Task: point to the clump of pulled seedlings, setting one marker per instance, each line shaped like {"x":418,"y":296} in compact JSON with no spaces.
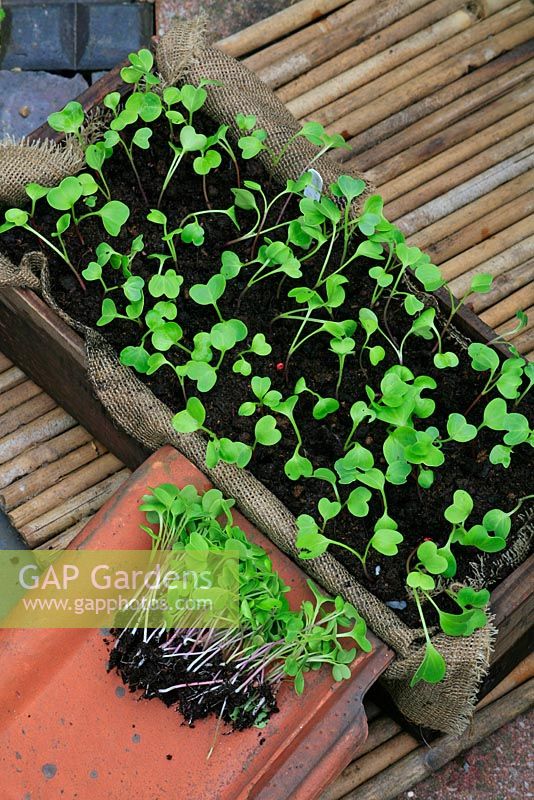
{"x":226,"y":648}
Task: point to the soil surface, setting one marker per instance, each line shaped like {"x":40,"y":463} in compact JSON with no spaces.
{"x":144,"y":666}
{"x":419,"y":513}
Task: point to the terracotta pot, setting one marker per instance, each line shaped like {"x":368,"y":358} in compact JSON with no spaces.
{"x":70,"y":729}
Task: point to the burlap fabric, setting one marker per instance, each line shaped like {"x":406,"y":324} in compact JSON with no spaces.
{"x":43,"y":162}
{"x":183,"y":56}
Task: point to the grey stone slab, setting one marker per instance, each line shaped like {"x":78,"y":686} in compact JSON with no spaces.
{"x":70,"y":35}
{"x":38,"y":35}
{"x":107,"y":32}
{"x":95,"y":76}
{"x":27,"y":98}
{"x":10,"y":539}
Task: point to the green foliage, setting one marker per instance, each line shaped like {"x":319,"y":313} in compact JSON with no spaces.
{"x":314,"y":247}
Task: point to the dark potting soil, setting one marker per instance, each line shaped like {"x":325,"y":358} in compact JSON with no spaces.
{"x":419,"y":513}
{"x":144,"y":667}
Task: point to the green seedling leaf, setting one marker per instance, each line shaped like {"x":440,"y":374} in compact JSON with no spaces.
{"x":208,"y":293}
{"x":244,"y":199}
{"x":420,"y":580}
{"x":412,"y":305}
{"x":428,"y":554}
{"x":141,"y":138}
{"x":166,"y":285}
{"x":203,"y":164}
{"x":166,"y":335}
{"x":445,"y":360}
{"x":498,"y":522}
{"x":193,"y":97}
{"x":136,"y":357}
{"x":430,"y":276}
{"x":460,"y":509}
{"x":358,"y":502}
{"x":501,"y":454}
{"x":495,"y":414}
{"x":468,"y":597}
{"x":325,"y":406}
{"x":298,"y":467}
{"x":113,"y":215}
{"x":193,"y":233}
{"x":432,"y":668}
{"x":109,"y":312}
{"x":231,"y":264}
{"x":250,"y":146}
{"x":481,"y":283}
{"x":191,"y":419}
{"x":66,"y":195}
{"x":348,"y":187}
{"x":310,"y":543}
{"x":478,"y":537}
{"x":328,"y":509}
{"x":69,"y":119}
{"x":385,"y":541}
{"x":425,"y":479}
{"x":483,"y":358}
{"x":203,"y":374}
{"x":463,"y":624}
{"x":266,"y":432}
{"x":260,"y":346}
{"x":191,"y":140}
{"x":459,"y":429}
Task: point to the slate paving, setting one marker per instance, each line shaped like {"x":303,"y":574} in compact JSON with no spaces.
{"x":27,"y":98}
{"x":73,"y":35}
{"x":499,"y":768}
{"x":224,"y":16}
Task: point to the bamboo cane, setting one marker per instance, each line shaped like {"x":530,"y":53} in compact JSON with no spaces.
{"x":525,"y":342}
{"x":503,"y":286}
{"x":460,"y":196}
{"x":18,"y":395}
{"x":72,"y":485}
{"x":478,"y":145}
{"x":46,"y":427}
{"x":11,"y":377}
{"x":446,"y":181}
{"x":72,"y":511}
{"x":504,"y":327}
{"x":455,"y":143}
{"x":349,"y":778}
{"x":425,"y":760}
{"x":280,"y":50}
{"x":382,"y":97}
{"x":499,"y":313}
{"x":369,"y":765}
{"x":343,"y":111}
{"x":39,"y":455}
{"x":515,"y":255}
{"x":5,"y":363}
{"x":62,"y":540}
{"x":303,"y":86}
{"x":366,"y":20}
{"x":383,"y":60}
{"x":24,"y":413}
{"x":48,"y":475}
{"x":435,"y":111}
{"x":520,"y":674}
{"x":380,"y":731}
{"x":478,"y":231}
{"x":278,"y":25}
{"x":499,"y":243}
{"x":478,"y":211}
